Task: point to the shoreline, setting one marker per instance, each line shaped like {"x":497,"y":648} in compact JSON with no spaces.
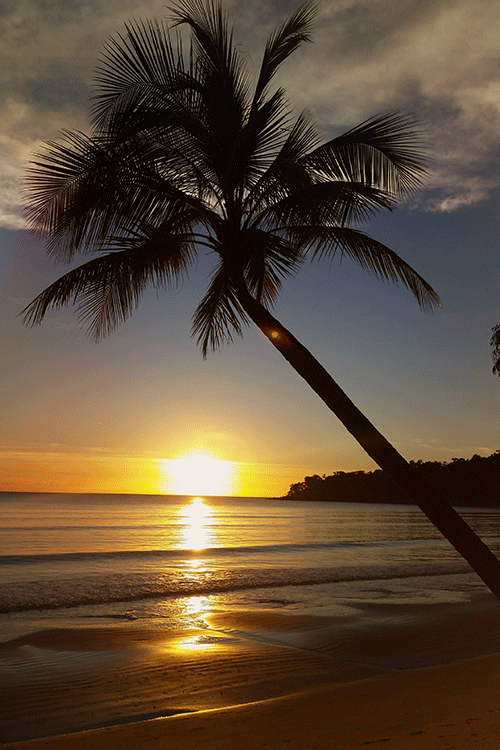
{"x":125,"y":684}
{"x":451,"y":706}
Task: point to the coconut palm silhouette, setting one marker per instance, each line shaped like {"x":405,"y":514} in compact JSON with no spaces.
{"x":189,"y":153}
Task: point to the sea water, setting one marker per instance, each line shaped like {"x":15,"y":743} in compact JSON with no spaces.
{"x":161,"y":560}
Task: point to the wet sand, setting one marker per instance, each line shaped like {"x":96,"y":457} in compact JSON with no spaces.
{"x":404,"y":677}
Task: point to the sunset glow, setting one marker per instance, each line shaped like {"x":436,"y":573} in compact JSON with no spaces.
{"x":198,"y":474}
{"x":54,"y":470}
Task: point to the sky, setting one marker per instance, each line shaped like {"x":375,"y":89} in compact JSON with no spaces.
{"x":142,"y":412}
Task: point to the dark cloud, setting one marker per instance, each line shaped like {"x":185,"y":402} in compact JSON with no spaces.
{"x":437,"y":58}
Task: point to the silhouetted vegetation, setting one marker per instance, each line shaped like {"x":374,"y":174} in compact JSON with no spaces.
{"x":465,"y":482}
{"x":495,"y":343}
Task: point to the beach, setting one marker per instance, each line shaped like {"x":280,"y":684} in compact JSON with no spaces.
{"x":399,"y":677}
{"x":168,"y":623}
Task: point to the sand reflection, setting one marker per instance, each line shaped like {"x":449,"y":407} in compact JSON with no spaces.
{"x":198,"y":643}
{"x":197,"y":606}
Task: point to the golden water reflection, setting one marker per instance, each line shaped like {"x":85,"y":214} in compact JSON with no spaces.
{"x":196,"y":527}
{"x":197,"y":522}
{"x":197,"y":606}
{"x":197,"y":643}
{"x":202,"y":636}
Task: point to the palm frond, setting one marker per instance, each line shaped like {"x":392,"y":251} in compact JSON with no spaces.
{"x":68,"y":190}
{"x":145,"y":87}
{"x":139,"y":69}
{"x":147,"y":92}
{"x":108,"y":288}
{"x":268,"y":258}
{"x":387,"y":151}
{"x":83,"y":190}
{"x":219,"y":315}
{"x":371,"y":255}
{"x":285,"y":173}
{"x":254,"y":147}
{"x":282,"y":43}
{"x":219,"y":65}
{"x":325,"y":204}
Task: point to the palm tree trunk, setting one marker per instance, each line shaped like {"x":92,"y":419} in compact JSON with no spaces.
{"x":436,"y":508}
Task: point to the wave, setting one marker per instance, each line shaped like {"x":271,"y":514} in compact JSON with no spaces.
{"x":127,"y":587}
{"x":34,"y":559}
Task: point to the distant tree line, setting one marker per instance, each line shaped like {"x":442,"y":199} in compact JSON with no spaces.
{"x":465,"y":482}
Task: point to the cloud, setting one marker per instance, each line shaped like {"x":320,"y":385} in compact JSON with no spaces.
{"x":436,"y":58}
{"x":48,"y":54}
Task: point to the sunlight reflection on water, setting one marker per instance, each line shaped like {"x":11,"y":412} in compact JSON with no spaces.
{"x":197,"y":531}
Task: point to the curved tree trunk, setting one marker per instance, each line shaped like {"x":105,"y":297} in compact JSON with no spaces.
{"x":439,"y":512}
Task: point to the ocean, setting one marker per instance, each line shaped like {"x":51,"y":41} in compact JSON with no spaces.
{"x":158,"y":560}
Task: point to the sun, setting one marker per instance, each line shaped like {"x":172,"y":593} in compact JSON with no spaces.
{"x":197,"y":473}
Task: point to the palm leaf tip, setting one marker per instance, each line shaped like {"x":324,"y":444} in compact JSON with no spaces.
{"x":424,"y":293}
{"x":291,"y":34}
{"x":399,"y":271}
{"x":374,"y":257}
{"x":33,"y":314}
{"x":107,"y":289}
{"x":294,"y":32}
{"x":389,"y":151}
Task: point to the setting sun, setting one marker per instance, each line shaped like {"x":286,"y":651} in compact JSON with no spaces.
{"x":198,"y":474}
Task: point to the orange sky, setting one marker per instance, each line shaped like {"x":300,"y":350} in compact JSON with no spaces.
{"x":26,"y":471}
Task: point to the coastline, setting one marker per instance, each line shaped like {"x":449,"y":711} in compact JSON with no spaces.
{"x":404,"y":674}
{"x":440,"y":708}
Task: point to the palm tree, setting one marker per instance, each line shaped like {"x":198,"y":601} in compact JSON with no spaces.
{"x":188,"y":152}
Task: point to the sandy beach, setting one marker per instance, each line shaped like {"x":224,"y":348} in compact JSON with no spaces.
{"x":399,"y":677}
